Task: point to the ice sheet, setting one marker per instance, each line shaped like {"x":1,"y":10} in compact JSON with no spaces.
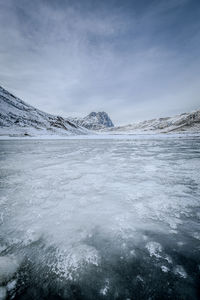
{"x":107,"y":211}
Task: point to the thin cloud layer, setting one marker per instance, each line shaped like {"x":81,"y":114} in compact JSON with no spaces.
{"x":133,"y":59}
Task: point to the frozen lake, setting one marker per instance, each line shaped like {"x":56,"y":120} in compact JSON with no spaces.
{"x":100,"y":219}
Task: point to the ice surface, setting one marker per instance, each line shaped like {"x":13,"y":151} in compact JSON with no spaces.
{"x":100,"y":214}
{"x":3,"y":293}
{"x":8,"y":266}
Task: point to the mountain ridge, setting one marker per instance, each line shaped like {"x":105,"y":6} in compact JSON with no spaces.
{"x":26,"y":119}
{"x":18,"y":118}
{"x":180,"y":123}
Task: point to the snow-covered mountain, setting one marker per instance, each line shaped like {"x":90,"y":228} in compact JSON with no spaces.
{"x":17,"y":118}
{"x":94,"y":121}
{"x":186,"y":122}
{"x":20,"y":118}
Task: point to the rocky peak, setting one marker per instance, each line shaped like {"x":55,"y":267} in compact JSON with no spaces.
{"x":95,"y":121}
{"x":102,"y":118}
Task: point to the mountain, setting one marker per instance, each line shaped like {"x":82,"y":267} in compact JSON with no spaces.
{"x":19,"y":118}
{"x":94,"y":121}
{"x":186,"y":122}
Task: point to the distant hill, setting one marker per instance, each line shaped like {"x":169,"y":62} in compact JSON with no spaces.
{"x":186,"y":122}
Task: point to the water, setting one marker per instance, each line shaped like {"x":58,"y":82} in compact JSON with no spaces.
{"x":100,"y":219}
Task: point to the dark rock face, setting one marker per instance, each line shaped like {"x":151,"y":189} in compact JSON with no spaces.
{"x":101,"y":118}
{"x":94,"y":121}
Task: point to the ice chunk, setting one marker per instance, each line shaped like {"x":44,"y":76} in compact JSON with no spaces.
{"x":132,"y":252}
{"x":11,"y":285}
{"x":154,"y":249}
{"x":105,"y":289}
{"x":196,"y":235}
{"x":164,"y":269}
{"x":179,"y":270}
{"x":168,"y":259}
{"x":139,"y":278}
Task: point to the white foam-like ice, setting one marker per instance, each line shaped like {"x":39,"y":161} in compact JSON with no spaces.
{"x":69,"y":262}
{"x":154,"y":249}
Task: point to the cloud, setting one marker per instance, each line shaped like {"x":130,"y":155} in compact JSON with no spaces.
{"x":133,"y":61}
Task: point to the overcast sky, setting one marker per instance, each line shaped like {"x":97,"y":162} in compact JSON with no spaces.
{"x":135,"y":59}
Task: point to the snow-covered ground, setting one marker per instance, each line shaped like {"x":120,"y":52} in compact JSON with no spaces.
{"x":100,"y":218}
{"x":26,"y":133}
{"x":44,"y":135}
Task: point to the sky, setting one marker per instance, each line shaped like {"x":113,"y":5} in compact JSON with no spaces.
{"x":134,"y":59}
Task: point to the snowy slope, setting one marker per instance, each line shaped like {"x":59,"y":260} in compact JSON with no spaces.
{"x":94,"y":121}
{"x":20,"y":118}
{"x":186,"y":122}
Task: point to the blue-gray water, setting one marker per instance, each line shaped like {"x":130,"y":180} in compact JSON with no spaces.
{"x":100,"y":219}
